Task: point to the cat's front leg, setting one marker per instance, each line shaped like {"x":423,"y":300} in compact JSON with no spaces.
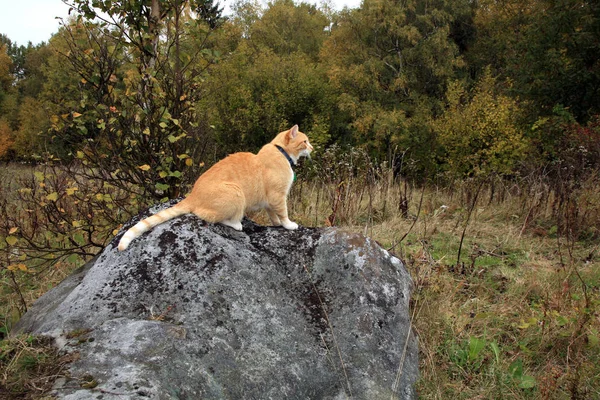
{"x":279,"y":208}
{"x":276,"y":221}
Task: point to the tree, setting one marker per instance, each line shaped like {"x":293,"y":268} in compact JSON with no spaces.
{"x":548,"y":48}
{"x":272,"y":80}
{"x":210,"y":12}
{"x":33,"y":125}
{"x":480,"y":132}
{"x":6,"y":139}
{"x":140,"y":70}
{"x":391,"y":62}
{"x":6,"y":78}
{"x":286,"y":28}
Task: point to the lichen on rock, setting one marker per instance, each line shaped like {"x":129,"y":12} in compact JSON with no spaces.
{"x":199,"y":311}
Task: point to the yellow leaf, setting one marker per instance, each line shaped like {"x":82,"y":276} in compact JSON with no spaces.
{"x":52,"y":196}
{"x":189,"y":162}
{"x":11,"y":240}
{"x":13,"y":230}
{"x":22,"y":267}
{"x":146,"y":131}
{"x":71,"y":191}
{"x":182,"y":98}
{"x":76,"y":114}
{"x":144,"y":167}
{"x":80,"y":154}
{"x":76,"y":224}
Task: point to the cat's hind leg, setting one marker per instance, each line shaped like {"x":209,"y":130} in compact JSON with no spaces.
{"x":225,"y":206}
{"x":273,"y":216}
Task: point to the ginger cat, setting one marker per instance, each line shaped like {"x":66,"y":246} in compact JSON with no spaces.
{"x":240,"y":182}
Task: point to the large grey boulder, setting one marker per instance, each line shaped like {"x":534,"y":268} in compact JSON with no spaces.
{"x":198,"y":311}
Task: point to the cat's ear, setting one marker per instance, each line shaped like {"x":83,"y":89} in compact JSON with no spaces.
{"x":293,"y":132}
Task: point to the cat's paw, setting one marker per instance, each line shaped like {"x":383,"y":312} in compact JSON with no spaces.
{"x":235,"y":225}
{"x":290,"y":225}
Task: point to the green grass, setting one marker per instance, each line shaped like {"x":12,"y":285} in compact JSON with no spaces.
{"x":28,"y":367}
{"x":512,"y":320}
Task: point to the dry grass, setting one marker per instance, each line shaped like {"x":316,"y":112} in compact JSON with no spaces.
{"x":516,"y":317}
{"x":29,"y":366}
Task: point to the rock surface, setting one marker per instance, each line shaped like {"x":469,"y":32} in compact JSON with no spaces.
{"x":199,"y":311}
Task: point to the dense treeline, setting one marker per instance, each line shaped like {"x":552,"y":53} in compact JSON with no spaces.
{"x":151,"y":91}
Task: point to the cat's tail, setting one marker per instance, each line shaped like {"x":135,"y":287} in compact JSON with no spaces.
{"x":150,"y":222}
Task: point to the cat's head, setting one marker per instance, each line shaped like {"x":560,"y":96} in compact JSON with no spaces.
{"x":294,"y":142}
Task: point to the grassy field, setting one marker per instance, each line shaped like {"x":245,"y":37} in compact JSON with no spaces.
{"x":516,"y":317}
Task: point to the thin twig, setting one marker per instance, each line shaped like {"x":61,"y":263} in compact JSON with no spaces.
{"x":403,"y":358}
{"x":413,"y":224}
{"x":462,"y":236}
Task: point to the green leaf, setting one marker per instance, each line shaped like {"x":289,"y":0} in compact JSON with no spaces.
{"x":475,"y":347}
{"x":173,"y":138}
{"x":79,"y":239}
{"x":527,"y":382}
{"x":516,"y":369}
{"x":11,"y":240}
{"x":561,"y":320}
{"x":496,"y":351}
{"x":52,"y":196}
{"x":161,"y":186}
